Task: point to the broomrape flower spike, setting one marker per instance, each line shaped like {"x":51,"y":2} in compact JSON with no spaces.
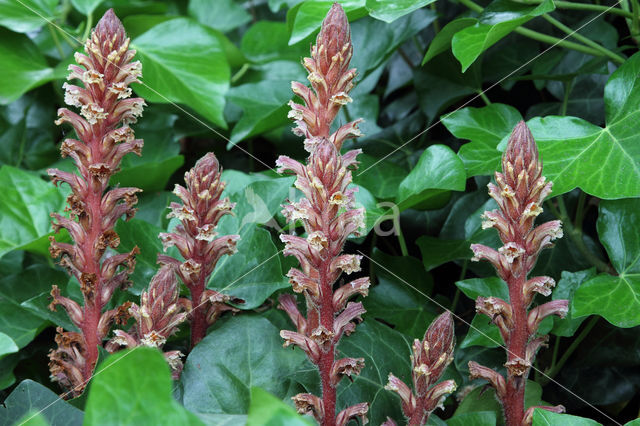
{"x":197,"y":241}
{"x":104,"y":137}
{"x":328,"y":216}
{"x":430,"y":358}
{"x":519,"y":192}
{"x":157,"y":318}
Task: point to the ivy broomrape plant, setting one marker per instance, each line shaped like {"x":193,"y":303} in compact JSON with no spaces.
{"x":104,"y":137}
{"x":519,"y":192}
{"x":328,"y":216}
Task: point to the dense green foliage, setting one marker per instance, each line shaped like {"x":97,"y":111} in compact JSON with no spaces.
{"x":216,"y":77}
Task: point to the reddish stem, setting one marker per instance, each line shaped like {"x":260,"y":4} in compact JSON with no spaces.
{"x":518,"y":337}
{"x":198,"y":314}
{"x":327,"y":357}
{"x":418,"y":417}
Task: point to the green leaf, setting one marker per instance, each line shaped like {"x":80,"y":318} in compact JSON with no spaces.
{"x":306,"y":18}
{"x":119,"y":394}
{"x":223,"y":15}
{"x":485,"y":128}
{"x":26,"y":202}
{"x":267,"y":41}
{"x":160,"y":155}
{"x":439,"y":170}
{"x":390,"y":10}
{"x":86,"y":7}
{"x":238,"y":354}
{"x":191,"y":69}
{"x":485,"y":287}
{"x":495,"y":22}
{"x":478,"y":418}
{"x":384,"y":182}
{"x":482,"y":399}
{"x":438,"y":251}
{"x":26,"y":15}
{"x":547,"y":418}
{"x":253,"y":273}
{"x":266,"y":409}
{"x":395,"y":302}
{"x":264,"y":106}
{"x":440,"y":84}
{"x":616,"y":298}
{"x":23,"y":65}
{"x":565,"y":289}
{"x":7,"y":345}
{"x":31,"y":397}
{"x":384,"y":351}
{"x":442,"y":41}
{"x":604,"y":162}
{"x":137,"y":232}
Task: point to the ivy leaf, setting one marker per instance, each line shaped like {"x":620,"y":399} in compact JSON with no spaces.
{"x":137,"y":232}
{"x":266,"y":409}
{"x":438,"y":171}
{"x":395,"y":302}
{"x":115,"y":398}
{"x":26,"y":15}
{"x":442,"y":41}
{"x":440,"y":84}
{"x":616,"y":298}
{"x":31,"y":397}
{"x":438,"y":251}
{"x":565,"y":289}
{"x":306,"y":18}
{"x":478,"y":418}
{"x":253,"y":273}
{"x":386,"y":179}
{"x":191,"y":69}
{"x":384,"y":351}
{"x":25,"y":202}
{"x":264,"y":106}
{"x":485,"y":128}
{"x":240,"y":353}
{"x":160,"y":155}
{"x":543,"y":418}
{"x":23,"y":66}
{"x":604,"y":162}
{"x":495,"y":22}
{"x":267,"y":41}
{"x":7,"y":345}
{"x":390,"y":10}
{"x":223,"y":15}
{"x":86,"y":7}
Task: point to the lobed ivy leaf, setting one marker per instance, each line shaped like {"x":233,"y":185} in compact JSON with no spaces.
{"x":267,"y":41}
{"x":26,"y":202}
{"x":547,"y":418}
{"x":390,"y":10}
{"x":496,"y":21}
{"x":119,"y":394}
{"x":191,"y":69}
{"x":476,"y":418}
{"x":485,"y":128}
{"x":26,"y":15}
{"x":266,"y":409}
{"x":23,"y":65}
{"x":616,"y":298}
{"x":238,"y":354}
{"x":222,"y":15}
{"x":604,"y":162}
{"x":29,"y":398}
{"x":137,"y":232}
{"x":438,"y":251}
{"x":438,"y":171}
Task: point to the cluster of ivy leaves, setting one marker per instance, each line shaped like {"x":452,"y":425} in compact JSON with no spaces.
{"x":440,"y":86}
